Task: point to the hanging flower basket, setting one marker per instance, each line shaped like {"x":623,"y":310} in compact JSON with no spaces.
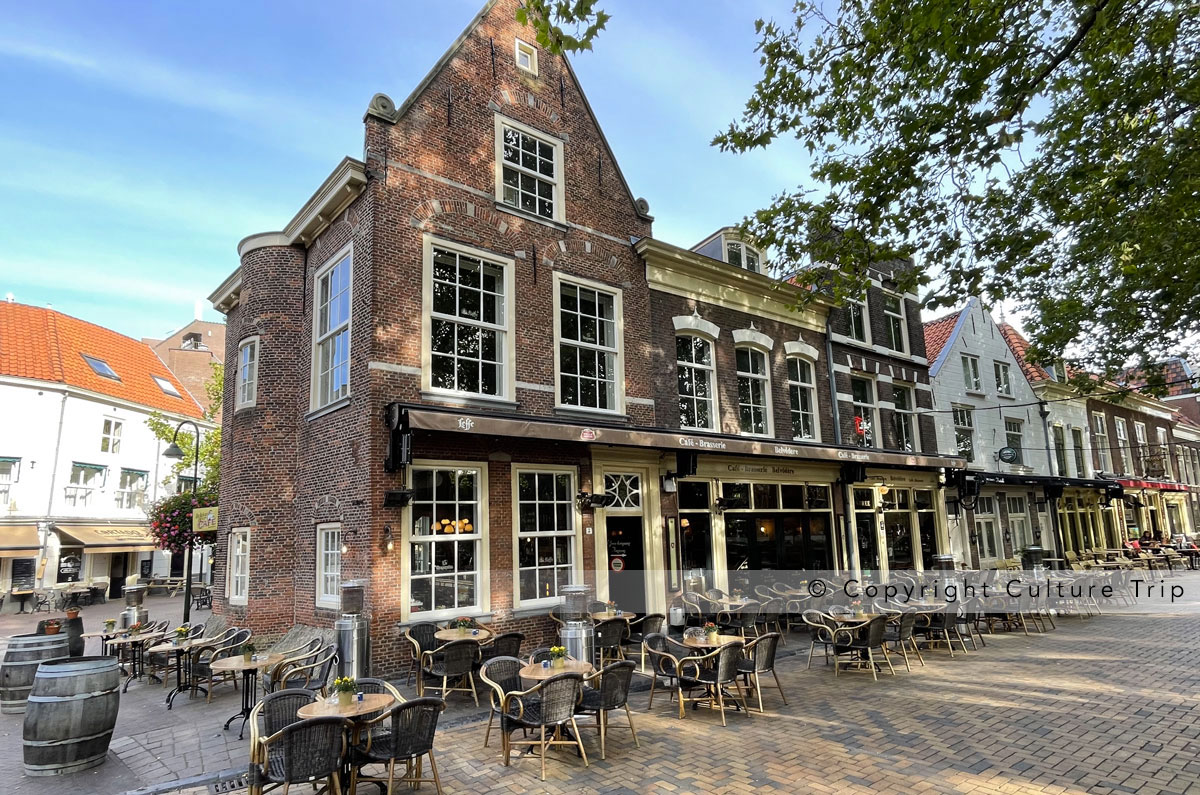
{"x":171,"y":521}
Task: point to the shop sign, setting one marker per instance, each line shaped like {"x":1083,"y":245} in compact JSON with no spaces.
{"x":204,"y":520}
{"x":616,"y":564}
{"x":760,"y":469}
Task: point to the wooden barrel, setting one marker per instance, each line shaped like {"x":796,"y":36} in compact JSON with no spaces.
{"x":72,"y":628}
{"x":21,"y":659}
{"x":71,"y":715}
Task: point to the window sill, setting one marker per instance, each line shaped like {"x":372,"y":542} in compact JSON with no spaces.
{"x":576,"y":412}
{"x":469,"y":401}
{"x":686,"y":429}
{"x":976,"y":393}
{"x":533,"y":611}
{"x":537,"y":219}
{"x":245,"y":407}
{"x":1006,"y":397}
{"x":436,"y":617}
{"x":332,"y":407}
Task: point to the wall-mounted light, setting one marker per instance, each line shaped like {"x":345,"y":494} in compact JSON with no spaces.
{"x":585,"y":500}
{"x":669,"y":483}
{"x":397,"y":498}
{"x":720,"y":504}
{"x":389,"y":543}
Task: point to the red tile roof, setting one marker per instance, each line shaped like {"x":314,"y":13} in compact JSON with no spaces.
{"x":1176,"y":372}
{"x":937,"y":333}
{"x":1019,"y":345}
{"x":46,"y":345}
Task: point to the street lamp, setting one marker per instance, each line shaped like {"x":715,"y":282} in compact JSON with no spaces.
{"x":175,"y":452}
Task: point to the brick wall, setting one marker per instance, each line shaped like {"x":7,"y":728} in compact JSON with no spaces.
{"x":1124,"y":457}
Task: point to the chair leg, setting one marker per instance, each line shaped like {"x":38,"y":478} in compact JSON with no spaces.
{"x":871,"y":660}
{"x":917,"y":648}
{"x":653,"y":683}
{"x":779,"y":686}
{"x":602,"y":725}
{"x":437,"y":780}
{"x":681,"y":713}
{"x":542,"y":751}
{"x":904,"y":654}
{"x":391,"y":776}
{"x":758,"y":692}
{"x":887,"y":659}
{"x":487,"y":733}
{"x":474,"y":692}
{"x":629,"y":715}
{"x":811,"y":648}
{"x":579,"y":741}
{"x":721,"y":703}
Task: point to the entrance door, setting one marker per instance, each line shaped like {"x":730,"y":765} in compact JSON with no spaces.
{"x":116,"y":575}
{"x":626,"y":562}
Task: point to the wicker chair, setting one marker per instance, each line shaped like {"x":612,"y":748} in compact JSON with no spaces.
{"x":760,"y":661}
{"x":899,"y":632}
{"x":312,"y":672}
{"x":868,"y":636}
{"x":503,"y":676}
{"x":304,"y":752}
{"x":825,"y":631}
{"x":305,"y":654}
{"x":740,"y":619}
{"x":202,"y":657}
{"x":608,"y":638}
{"x":714,"y":594}
{"x":370,"y":684}
{"x":548,"y":705}
{"x":556,"y":616}
{"x":639,"y":628}
{"x":597,"y":607}
{"x":712,"y":672}
{"x":664,"y":656}
{"x":612,"y":692}
{"x":506,"y":645}
{"x":421,"y":636}
{"x":538,"y":655}
{"x":764,"y":593}
{"x":455,"y":660}
{"x":41,"y":600}
{"x":943,"y":628}
{"x":693,"y":612}
{"x":276,"y":711}
{"x":406,"y":735}
{"x":770,"y":618}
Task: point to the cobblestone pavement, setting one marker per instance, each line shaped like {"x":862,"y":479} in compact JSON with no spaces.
{"x":1104,"y":705}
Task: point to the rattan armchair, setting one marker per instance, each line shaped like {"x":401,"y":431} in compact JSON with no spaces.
{"x":759,"y":660}
{"x":506,"y":645}
{"x":860,"y":651}
{"x":403,"y":733}
{"x":201,"y":658}
{"x":548,"y":705}
{"x":538,"y":655}
{"x":713,"y":673}
{"x":422,"y":637}
{"x":825,"y":631}
{"x":502,"y":675}
{"x":639,"y":628}
{"x":770,"y":618}
{"x":899,"y":632}
{"x":303,"y":752}
{"x":304,"y":654}
{"x":943,"y":628}
{"x":608,"y":689}
{"x":664,"y":655}
{"x":276,"y":710}
{"x":311,"y":672}
{"x":609,"y":635}
{"x":455,"y":660}
{"x":741,"y":619}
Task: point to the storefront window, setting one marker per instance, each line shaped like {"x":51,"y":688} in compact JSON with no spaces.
{"x":924,"y":504}
{"x":545,"y":533}
{"x":445,"y":540}
{"x":770,"y":526}
{"x":898,"y":528}
{"x":864,"y":525}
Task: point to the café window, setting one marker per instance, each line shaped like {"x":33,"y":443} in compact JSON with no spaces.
{"x":986,"y":530}
{"x":695,"y":530}
{"x":468,"y":323}
{"x":530,"y":170}
{"x":862,"y":396}
{"x":753,"y":385}
{"x":775,"y":526}
{"x":588,"y":348}
{"x":904,"y":422}
{"x":237,"y":584}
{"x":444,"y":551}
{"x":865,"y":518}
{"x":329,"y":564}
{"x":803,"y":396}
{"x":695,"y":372}
{"x":546,"y":534}
{"x":331,"y":335}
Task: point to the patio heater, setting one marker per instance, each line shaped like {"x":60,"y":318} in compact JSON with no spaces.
{"x":353,"y":639}
{"x":577,"y":634}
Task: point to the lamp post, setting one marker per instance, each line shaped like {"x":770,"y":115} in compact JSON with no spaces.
{"x":174,"y":452}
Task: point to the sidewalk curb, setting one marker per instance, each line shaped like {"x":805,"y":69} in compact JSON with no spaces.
{"x":202,"y":780}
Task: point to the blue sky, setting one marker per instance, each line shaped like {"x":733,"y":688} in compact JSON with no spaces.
{"x":140,"y":142}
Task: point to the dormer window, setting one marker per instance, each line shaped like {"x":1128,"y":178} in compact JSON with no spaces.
{"x":741,"y":255}
{"x":526,"y":57}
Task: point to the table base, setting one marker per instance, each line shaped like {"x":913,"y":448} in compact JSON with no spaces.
{"x":249,"y":699}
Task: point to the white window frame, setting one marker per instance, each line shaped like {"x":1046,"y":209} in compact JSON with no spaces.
{"x":10,"y":473}
{"x":531,"y":51}
{"x":1100,"y":441}
{"x":1079,"y":451}
{"x":987,"y":528}
{"x":317,"y":399}
{"x":864,"y":313}
{"x":617,"y":351}
{"x":78,"y":494}
{"x":1015,"y":428}
{"x":559,"y":182}
{"x":329,"y":549}
{"x":507,"y":380}
{"x":972,"y":382}
{"x":764,"y":379}
{"x":246,"y":392}
{"x":963,"y":418}
{"x":909,"y":414}
{"x":855,"y":405}
{"x":710,"y":370}
{"x":166,"y":386}
{"x":744,"y":249}
{"x":237,"y":567}
{"x":1018,"y":520}
{"x":576,"y":532}
{"x":127,"y":498}
{"x":794,"y":388}
{"x":1123,"y":444}
{"x":110,"y":435}
{"x":482,"y":549}
{"x":1003,"y":374}
{"x":890,"y":317}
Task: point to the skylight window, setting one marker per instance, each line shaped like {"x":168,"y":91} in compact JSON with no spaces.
{"x":100,"y":367}
{"x":166,"y":386}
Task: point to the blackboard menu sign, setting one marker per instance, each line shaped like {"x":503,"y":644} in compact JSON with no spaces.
{"x":23,"y":577}
{"x":70,"y":564}
{"x":146,"y":568}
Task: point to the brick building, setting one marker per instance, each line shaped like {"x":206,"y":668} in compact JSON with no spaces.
{"x":455,"y":381}
{"x":191,"y":352}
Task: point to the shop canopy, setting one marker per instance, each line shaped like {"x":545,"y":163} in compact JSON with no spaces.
{"x":19,"y":541}
{"x":1111,"y":487}
{"x":1157,"y":485}
{"x":98,"y":539}
{"x":572,"y":431}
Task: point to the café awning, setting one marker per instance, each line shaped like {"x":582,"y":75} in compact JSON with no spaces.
{"x":98,"y":539}
{"x":19,"y":541}
{"x":663,"y":438}
{"x":1157,"y":485}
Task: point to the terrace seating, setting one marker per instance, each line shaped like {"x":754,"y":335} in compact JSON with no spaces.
{"x":611,"y":692}
{"x":202,"y":657}
{"x":311,"y":672}
{"x":404,"y":733}
{"x":867,"y":637}
{"x":421,"y":636}
{"x":454,"y":661}
{"x":300,"y":753}
{"x":548,"y":705}
{"x":760,"y":661}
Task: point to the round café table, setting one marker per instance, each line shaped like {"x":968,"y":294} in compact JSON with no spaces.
{"x":479,"y":635}
{"x":249,"y":669}
{"x":137,"y":641}
{"x":701,"y":641}
{"x":624,"y":614}
{"x":536,"y":672}
{"x":183,"y":673}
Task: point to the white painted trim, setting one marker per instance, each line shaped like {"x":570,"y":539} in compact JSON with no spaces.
{"x":802,"y":349}
{"x":745,"y":336}
{"x":238,"y":403}
{"x":230,"y":573}
{"x":768,"y":407}
{"x":533,"y":57}
{"x":577,"y":519}
{"x":697,"y":324}
{"x":509,"y":377}
{"x":558,"y":279}
{"x":388,"y":367}
{"x":327,"y":266}
{"x":556,"y":142}
{"x":318,"y":564}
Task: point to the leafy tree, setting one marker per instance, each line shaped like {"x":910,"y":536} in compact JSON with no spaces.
{"x":547,"y":18}
{"x":1039,"y":152}
{"x":210,"y":443}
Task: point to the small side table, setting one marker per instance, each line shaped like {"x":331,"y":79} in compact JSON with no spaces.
{"x":249,"y":669}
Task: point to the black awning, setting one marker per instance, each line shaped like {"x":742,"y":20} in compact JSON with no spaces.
{"x":1050,"y":484}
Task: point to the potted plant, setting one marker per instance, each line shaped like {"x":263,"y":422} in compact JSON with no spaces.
{"x":710,"y":633}
{"x":53,"y":626}
{"x":558,"y":656}
{"x":134,"y":628}
{"x":612,"y":607}
{"x":248,"y":650}
{"x":463,"y":625}
{"x":110,"y":624}
{"x":345,"y":687}
{"x":72,"y":612}
{"x":181,"y":634}
{"x":856,"y":605}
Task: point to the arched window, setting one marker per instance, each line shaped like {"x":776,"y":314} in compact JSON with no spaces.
{"x":694,"y":362}
{"x":753,"y":384}
{"x":803,"y":395}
